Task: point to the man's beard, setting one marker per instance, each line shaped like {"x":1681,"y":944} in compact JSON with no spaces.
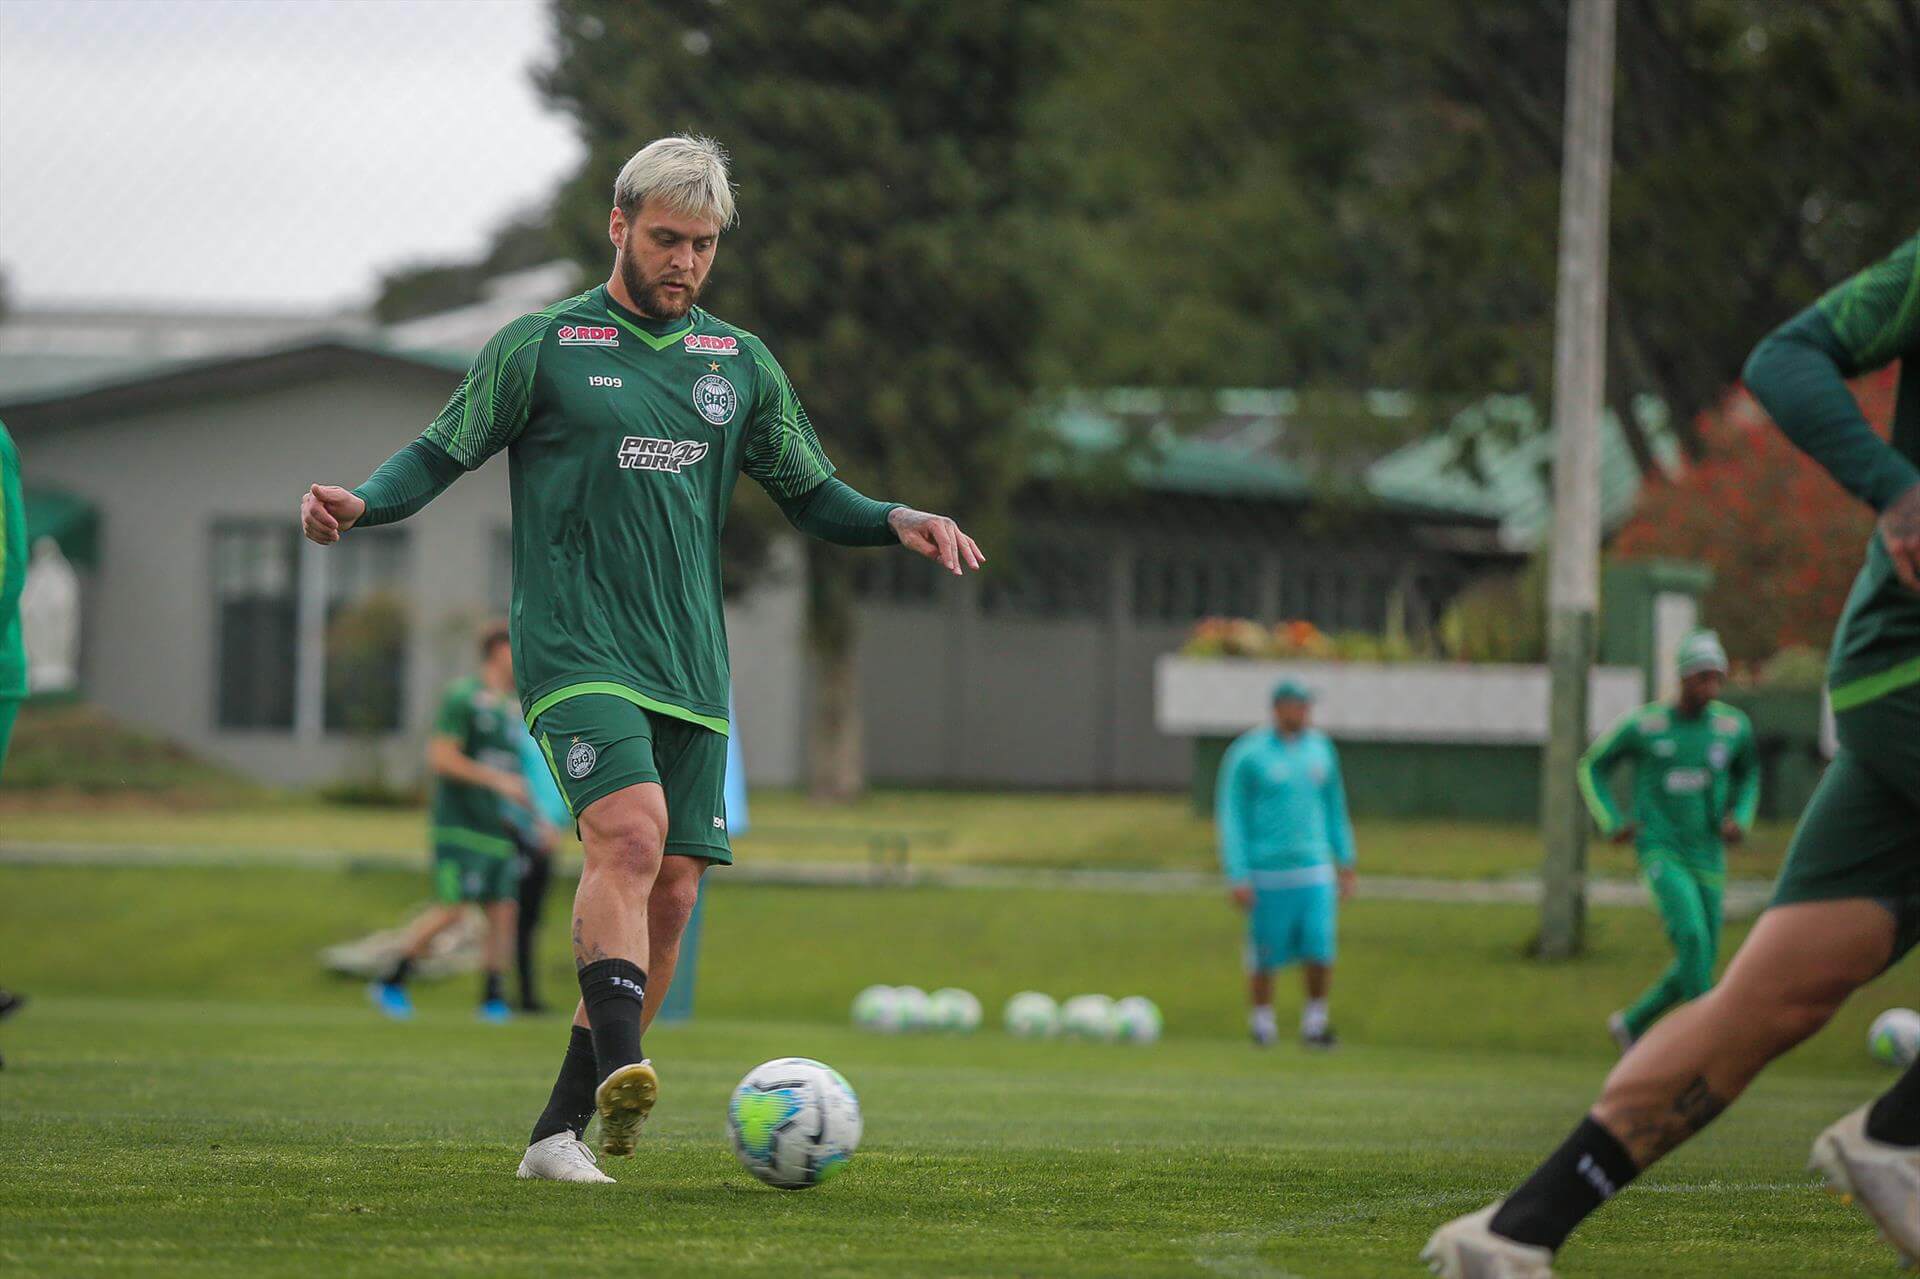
{"x":652,"y":297}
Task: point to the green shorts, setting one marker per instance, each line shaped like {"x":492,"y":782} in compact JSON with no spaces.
{"x":465,"y":872}
{"x":597,"y":743}
{"x":1860,"y":835}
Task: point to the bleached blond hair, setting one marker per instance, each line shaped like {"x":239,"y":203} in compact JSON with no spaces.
{"x":685,"y":173}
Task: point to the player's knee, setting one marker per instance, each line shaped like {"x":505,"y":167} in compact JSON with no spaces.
{"x":627,"y":843}
{"x":674,"y":893}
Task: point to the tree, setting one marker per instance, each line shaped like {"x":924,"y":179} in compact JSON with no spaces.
{"x":880,"y":154}
{"x":1784,"y":541}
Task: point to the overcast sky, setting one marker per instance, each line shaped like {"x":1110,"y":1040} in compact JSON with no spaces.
{"x":262,"y":153}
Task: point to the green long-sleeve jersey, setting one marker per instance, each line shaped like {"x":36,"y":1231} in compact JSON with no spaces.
{"x":1690,"y":773}
{"x":13,"y":570}
{"x":1798,"y":373}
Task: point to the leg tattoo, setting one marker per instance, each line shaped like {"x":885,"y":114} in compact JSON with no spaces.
{"x":1651,"y":1136}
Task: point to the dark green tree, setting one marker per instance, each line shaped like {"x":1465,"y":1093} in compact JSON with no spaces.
{"x":883,"y":242}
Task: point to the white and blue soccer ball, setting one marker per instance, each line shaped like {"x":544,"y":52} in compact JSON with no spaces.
{"x":913,"y":1007}
{"x":877,"y":1008}
{"x":793,"y":1122}
{"x":1136,"y":1020}
{"x":955,"y":1010}
{"x":1895,"y":1037}
{"x":1088,"y":1017}
{"x":1031,"y":1015}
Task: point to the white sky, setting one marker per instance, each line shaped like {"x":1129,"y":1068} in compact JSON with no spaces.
{"x":262,"y":153}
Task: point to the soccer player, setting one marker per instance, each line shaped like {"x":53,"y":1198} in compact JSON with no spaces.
{"x":536,"y":835}
{"x":628,"y":413}
{"x":1847,"y":904}
{"x":476,"y":777}
{"x":1696,"y":783}
{"x":1285,"y":840}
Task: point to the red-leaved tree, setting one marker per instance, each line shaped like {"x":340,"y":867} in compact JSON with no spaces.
{"x":1784,"y":541}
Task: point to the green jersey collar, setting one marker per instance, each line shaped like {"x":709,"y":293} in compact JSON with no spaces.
{"x":658,"y":334}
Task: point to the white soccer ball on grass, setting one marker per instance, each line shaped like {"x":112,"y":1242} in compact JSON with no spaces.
{"x":1031,"y":1015}
{"x":955,"y":1010}
{"x":793,"y":1122}
{"x":1136,"y":1020}
{"x":1088,"y":1017}
{"x":1895,"y":1037}
{"x":915,"y":1009}
{"x":877,"y":1008}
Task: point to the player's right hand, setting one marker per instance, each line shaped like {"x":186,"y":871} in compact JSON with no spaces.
{"x":1243,"y":896}
{"x":1900,"y":531}
{"x":1626,"y":833}
{"x":327,"y":511}
{"x":514,"y":790}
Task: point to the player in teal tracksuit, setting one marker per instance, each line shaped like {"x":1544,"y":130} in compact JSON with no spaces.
{"x":1696,"y":786}
{"x":1285,"y":843}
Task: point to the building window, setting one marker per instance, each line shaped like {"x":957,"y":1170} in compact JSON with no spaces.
{"x":1049,"y":580}
{"x":1336,"y":594}
{"x":366,"y":637}
{"x":256,"y":588}
{"x":1185,"y":586}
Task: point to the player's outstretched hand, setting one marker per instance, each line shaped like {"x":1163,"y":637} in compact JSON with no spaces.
{"x":1349,"y":883}
{"x":936,"y":537}
{"x":1732,"y":831}
{"x":327,"y":511}
{"x":1900,"y":530}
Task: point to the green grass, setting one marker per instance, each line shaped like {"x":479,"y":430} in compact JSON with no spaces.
{"x":190,"y":1094}
{"x":944,"y":828}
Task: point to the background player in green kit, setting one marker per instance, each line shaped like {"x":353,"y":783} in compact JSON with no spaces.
{"x":1696,"y":784}
{"x":475,"y":765}
{"x":13,"y":577}
{"x":1848,"y":901}
{"x":628,"y":413}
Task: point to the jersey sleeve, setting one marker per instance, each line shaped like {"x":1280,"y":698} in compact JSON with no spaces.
{"x":782,"y":453}
{"x":1595,"y":771}
{"x":1743,"y":774}
{"x":1339,"y":824}
{"x":489,"y":408}
{"x":455,"y":718}
{"x":1799,"y":372}
{"x":1230,"y":811}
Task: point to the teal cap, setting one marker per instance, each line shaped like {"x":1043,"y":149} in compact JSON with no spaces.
{"x":1291,"y":690}
{"x":1702,"y":651}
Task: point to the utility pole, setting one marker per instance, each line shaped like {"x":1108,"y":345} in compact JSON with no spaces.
{"x":1579,"y":376}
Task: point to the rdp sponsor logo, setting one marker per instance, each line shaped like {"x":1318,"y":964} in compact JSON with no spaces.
{"x":709,"y":344}
{"x":588,"y":335}
{"x":638,"y":453}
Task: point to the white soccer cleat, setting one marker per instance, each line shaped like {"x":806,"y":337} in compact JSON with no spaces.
{"x":561,"y":1157}
{"x":1466,"y":1248}
{"x":625,"y":1099}
{"x":1884,"y":1180}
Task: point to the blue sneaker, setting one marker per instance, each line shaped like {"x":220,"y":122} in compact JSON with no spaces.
{"x":391,"y":999}
{"x":496,"y":1011}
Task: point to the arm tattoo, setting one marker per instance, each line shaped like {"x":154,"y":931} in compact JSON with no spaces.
{"x":1648,"y":1137}
{"x":584,"y":952}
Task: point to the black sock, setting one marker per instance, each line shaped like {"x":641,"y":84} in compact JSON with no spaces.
{"x":1895,"y":1117}
{"x":1590,"y":1168}
{"x":614,"y":991}
{"x":570,"y":1107}
{"x":401,"y":970}
{"x":494,"y":990}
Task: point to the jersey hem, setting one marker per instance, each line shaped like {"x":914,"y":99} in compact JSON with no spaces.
{"x":625,"y":691}
{"x":1867,"y":688}
{"x":473,"y":840}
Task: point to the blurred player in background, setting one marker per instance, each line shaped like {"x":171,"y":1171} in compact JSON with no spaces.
{"x":1696,"y":784}
{"x":13,"y":648}
{"x":536,"y":837}
{"x":628,"y":414}
{"x":1847,"y":904}
{"x":476,"y":778}
{"x":1285,"y":842}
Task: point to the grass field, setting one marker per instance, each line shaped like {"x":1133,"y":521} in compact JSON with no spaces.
{"x":189,"y":1094}
{"x":943,"y":828}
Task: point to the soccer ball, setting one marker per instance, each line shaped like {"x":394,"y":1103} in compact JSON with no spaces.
{"x":1088,"y":1017}
{"x":913,"y":1008}
{"x":1895,"y":1037}
{"x":1136,"y":1020}
{"x":1031,"y":1015}
{"x":877,"y":1008}
{"x":794,"y":1122}
{"x":955,"y":1009}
